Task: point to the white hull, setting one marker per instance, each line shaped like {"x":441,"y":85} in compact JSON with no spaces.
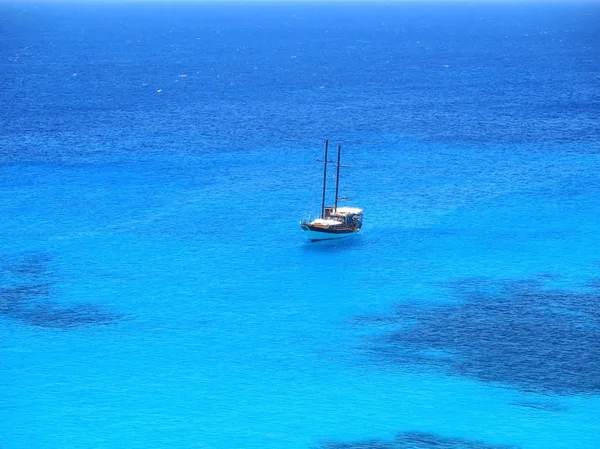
{"x":317,"y":236}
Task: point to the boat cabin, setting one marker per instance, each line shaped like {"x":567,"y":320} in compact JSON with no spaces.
{"x":349,"y":216}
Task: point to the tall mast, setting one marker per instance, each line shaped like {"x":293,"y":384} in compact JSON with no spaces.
{"x":337,"y":179}
{"x":324,"y":179}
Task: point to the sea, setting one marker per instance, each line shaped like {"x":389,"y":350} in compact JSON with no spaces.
{"x":156,"y":290}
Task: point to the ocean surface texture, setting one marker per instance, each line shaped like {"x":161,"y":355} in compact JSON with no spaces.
{"x":156,"y":290}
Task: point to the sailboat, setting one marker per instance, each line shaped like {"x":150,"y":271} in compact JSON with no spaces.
{"x":335,"y":222}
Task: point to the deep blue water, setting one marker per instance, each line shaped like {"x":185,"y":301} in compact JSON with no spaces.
{"x":156,"y":289}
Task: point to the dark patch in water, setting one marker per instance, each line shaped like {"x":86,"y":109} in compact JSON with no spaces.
{"x":13,"y":299}
{"x":33,"y":265}
{"x":595,"y":284}
{"x":546,"y":406}
{"x":373,"y":320}
{"x":413,"y":440}
{"x":512,"y":333}
{"x":370,"y":444}
{"x":54,"y":316}
{"x":548,"y":276}
{"x":31,"y":298}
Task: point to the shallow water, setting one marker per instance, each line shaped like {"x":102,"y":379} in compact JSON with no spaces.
{"x":155,"y":287}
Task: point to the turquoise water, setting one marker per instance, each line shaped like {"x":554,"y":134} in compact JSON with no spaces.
{"x":156,"y":289}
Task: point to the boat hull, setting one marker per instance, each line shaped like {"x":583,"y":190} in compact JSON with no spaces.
{"x":317,"y":235}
